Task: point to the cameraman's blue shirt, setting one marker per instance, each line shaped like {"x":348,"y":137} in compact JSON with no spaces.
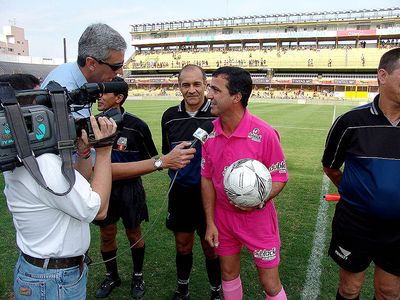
{"x":71,"y":77}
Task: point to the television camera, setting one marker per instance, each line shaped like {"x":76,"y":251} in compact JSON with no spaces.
{"x":48,"y":123}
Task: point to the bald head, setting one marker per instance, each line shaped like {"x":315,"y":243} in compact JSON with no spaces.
{"x":191,"y":68}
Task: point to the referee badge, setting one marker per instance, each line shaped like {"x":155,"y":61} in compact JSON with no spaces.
{"x":121,"y":143}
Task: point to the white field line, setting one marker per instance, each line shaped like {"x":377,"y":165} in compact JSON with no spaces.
{"x":299,"y":128}
{"x":311,"y":287}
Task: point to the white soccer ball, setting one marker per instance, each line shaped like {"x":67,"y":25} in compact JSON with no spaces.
{"x":247,"y":182}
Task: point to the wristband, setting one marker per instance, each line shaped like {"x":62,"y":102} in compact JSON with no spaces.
{"x":84,"y":154}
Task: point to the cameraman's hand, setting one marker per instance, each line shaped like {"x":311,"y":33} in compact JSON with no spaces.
{"x":82,"y":143}
{"x":103,"y":127}
{"x":179,"y":157}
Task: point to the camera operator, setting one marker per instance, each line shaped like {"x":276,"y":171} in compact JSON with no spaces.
{"x":101,"y":52}
{"x":52,"y":232}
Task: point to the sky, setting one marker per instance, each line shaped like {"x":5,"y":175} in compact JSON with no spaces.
{"x":48,"y":22}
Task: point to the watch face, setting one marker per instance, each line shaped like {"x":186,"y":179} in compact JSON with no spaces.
{"x":158,"y":164}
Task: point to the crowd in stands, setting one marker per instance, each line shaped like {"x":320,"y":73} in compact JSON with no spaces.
{"x":389,"y":43}
{"x":176,"y":51}
{"x":293,"y":92}
{"x":343,"y":56}
{"x":259,"y":92}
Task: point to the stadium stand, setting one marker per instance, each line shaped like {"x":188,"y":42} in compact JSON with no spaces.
{"x":319,"y":55}
{"x":313,"y":55}
{"x":40,"y":71}
{"x":284,"y":58}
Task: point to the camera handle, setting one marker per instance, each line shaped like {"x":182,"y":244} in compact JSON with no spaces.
{"x":21,"y":139}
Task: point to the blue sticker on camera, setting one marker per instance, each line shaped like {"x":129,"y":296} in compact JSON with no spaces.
{"x":41,"y":131}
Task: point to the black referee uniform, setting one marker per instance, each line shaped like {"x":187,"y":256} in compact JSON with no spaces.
{"x":185,"y":208}
{"x":366,"y":224}
{"x":133,"y":143}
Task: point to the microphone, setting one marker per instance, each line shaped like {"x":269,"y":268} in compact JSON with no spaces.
{"x":201,"y":133}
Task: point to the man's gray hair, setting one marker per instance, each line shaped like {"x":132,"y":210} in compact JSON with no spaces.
{"x":97,"y":40}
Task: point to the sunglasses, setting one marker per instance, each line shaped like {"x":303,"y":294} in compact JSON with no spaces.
{"x":114,"y":67}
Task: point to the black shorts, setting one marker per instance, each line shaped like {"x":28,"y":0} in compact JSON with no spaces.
{"x":127,"y":201}
{"x":185,"y":210}
{"x":358,"y":239}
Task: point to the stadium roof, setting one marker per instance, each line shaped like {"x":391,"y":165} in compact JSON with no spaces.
{"x":324,"y":16}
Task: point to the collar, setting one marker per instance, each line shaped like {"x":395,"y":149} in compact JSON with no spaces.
{"x":243,"y":128}
{"x":375,"y":109}
{"x":204,"y":107}
{"x":80,"y":79}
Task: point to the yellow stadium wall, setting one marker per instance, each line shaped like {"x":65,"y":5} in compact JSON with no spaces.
{"x":355,"y":95}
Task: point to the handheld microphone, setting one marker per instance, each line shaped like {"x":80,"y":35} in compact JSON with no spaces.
{"x":201,"y":133}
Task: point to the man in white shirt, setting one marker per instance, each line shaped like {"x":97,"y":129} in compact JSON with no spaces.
{"x":53,"y":231}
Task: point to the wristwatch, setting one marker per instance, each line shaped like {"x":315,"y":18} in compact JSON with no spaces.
{"x":158,"y":164}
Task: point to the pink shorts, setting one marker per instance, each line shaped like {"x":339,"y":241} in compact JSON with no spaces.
{"x":256,"y":230}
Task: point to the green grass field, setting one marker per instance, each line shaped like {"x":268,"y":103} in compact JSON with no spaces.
{"x":303,"y":129}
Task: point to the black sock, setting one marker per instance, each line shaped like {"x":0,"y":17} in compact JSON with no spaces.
{"x":137,"y":259}
{"x":214,"y":273}
{"x":184,"y":264}
{"x":340,"y":297}
{"x":111,"y":265}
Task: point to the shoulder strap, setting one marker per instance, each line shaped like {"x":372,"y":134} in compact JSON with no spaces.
{"x":19,"y":132}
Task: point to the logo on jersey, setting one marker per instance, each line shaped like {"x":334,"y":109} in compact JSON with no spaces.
{"x":254,"y":135}
{"x":278,"y":167}
{"x":121,"y":143}
{"x":212,"y":134}
{"x":265,"y":254}
{"x":202,"y":163}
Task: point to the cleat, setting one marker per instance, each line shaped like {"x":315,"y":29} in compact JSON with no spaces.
{"x":137,"y":287}
{"x":215,"y":295}
{"x":179,"y":296}
{"x":107,"y":286}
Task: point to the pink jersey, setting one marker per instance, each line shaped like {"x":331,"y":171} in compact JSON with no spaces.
{"x":253,"y":138}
